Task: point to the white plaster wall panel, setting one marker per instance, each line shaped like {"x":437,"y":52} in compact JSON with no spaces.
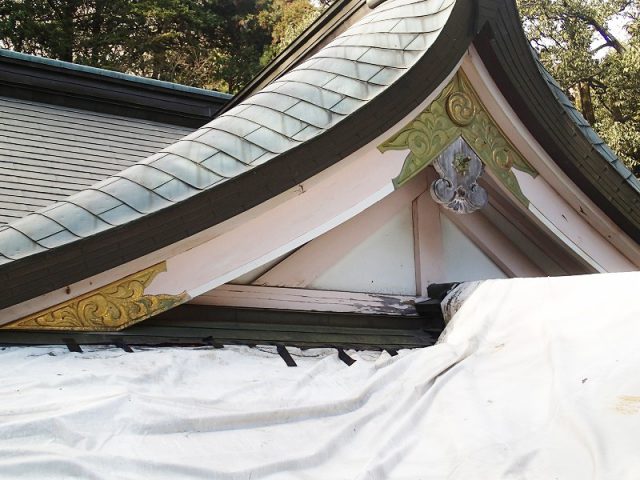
{"x":310,"y":261}
{"x":384,"y":263}
{"x":463,"y":260}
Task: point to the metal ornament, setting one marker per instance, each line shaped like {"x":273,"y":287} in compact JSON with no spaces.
{"x":110,"y":308}
{"x":458,"y":112}
{"x":374,"y":3}
{"x":457,"y":189}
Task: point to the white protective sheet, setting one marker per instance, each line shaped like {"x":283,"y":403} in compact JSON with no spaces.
{"x":534,"y":379}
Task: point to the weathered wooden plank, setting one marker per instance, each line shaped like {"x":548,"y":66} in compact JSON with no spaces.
{"x":188,"y":314}
{"x":252,"y":296}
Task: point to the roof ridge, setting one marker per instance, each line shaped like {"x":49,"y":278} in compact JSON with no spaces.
{"x":127,"y":77}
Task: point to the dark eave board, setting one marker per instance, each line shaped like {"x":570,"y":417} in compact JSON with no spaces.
{"x":66,"y":84}
{"x":192,"y":325}
{"x":554,"y":121}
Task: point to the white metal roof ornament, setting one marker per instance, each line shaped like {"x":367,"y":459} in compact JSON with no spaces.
{"x":457,"y":189}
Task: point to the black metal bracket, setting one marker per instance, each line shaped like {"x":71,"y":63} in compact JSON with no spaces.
{"x":120,"y":342}
{"x":211,"y":342}
{"x":72,"y":345}
{"x":342,"y":355}
{"x":286,"y":356}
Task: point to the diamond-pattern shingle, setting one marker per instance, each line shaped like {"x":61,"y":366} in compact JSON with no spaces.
{"x":314,"y":96}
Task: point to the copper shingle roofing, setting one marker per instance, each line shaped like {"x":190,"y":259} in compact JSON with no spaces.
{"x":316,"y":95}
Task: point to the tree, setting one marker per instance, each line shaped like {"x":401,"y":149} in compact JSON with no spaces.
{"x":577,"y":41}
{"x":287,"y":20}
{"x":219,"y":44}
{"x":69,"y":30}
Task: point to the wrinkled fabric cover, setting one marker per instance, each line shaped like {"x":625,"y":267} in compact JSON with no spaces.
{"x":533,"y":379}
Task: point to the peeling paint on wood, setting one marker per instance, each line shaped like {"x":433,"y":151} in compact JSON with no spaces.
{"x":251,"y":296}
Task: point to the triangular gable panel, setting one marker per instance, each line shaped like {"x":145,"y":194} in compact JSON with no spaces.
{"x":376,"y":251}
{"x":463,"y":259}
{"x":383,"y":263}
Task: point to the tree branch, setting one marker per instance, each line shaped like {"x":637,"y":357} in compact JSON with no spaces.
{"x":604,"y":33}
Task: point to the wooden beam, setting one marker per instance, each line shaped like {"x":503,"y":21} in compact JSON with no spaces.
{"x":301,"y":268}
{"x":253,"y":296}
{"x":427,"y":239}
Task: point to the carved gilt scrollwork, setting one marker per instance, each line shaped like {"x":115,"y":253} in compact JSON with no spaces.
{"x":460,"y":108}
{"x":457,"y":112}
{"x":110,"y":308}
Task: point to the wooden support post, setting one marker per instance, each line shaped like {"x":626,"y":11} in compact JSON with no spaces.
{"x":427,"y":239}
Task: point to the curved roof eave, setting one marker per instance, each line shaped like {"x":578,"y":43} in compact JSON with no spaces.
{"x":353,"y":89}
{"x":273,"y":163}
{"x":554,"y":121}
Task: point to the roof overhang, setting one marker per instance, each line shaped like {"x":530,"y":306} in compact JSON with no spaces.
{"x":39,"y":79}
{"x":509,"y":60}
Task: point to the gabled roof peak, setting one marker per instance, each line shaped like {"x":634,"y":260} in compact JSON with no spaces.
{"x":302,"y":104}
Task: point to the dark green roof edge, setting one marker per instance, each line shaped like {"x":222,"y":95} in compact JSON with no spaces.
{"x":23,"y":57}
{"x":590,"y":134}
{"x":552,"y":119}
{"x":203,"y":325}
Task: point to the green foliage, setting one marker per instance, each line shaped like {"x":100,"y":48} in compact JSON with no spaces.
{"x":287,"y":19}
{"x":577,"y":41}
{"x":219,"y":44}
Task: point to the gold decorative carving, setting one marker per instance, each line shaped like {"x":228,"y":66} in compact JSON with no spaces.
{"x":110,"y":308}
{"x":458,"y":112}
{"x":460,"y":108}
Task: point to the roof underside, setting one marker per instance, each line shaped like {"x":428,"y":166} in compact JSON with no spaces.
{"x":350,"y":91}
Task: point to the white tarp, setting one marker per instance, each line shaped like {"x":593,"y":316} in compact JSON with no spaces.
{"x":534,"y":379}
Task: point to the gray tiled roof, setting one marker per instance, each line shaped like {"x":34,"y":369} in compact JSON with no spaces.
{"x":316,"y":95}
{"x":48,"y":152}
